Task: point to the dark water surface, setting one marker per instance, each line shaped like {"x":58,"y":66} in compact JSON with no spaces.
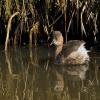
{"x":30,"y":74}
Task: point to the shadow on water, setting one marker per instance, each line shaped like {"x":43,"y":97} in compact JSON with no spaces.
{"x":29,"y":74}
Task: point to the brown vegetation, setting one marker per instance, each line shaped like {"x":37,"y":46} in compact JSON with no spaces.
{"x":76,"y":19}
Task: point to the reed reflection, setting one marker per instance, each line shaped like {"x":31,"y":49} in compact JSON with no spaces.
{"x":28,"y":73}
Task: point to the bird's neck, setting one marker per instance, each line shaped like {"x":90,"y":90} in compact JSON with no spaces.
{"x":58,"y":50}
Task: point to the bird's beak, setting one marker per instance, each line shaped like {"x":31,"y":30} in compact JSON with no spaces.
{"x":52,"y":43}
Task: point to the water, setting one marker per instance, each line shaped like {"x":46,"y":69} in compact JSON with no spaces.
{"x":30,"y":74}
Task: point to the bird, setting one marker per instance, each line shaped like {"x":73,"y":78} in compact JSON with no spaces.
{"x":73,"y":52}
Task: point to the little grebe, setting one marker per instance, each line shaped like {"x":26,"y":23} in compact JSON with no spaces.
{"x":74,"y":52}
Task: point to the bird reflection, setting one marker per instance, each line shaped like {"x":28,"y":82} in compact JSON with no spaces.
{"x":78,"y":71}
{"x":60,"y":73}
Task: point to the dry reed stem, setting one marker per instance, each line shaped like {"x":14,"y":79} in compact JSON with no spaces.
{"x":31,"y":7}
{"x":70,"y":21}
{"x":17,"y":4}
{"x":7,"y":5}
{"x":34,"y":29}
{"x":82,"y":25}
{"x":30,"y":36}
{"x":8,"y":29}
{"x":95,"y":26}
{"x":56,"y":20}
{"x":65,"y":17}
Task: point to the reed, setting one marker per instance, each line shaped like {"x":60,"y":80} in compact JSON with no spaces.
{"x":68,"y":16}
{"x":8,"y":29}
{"x":34,"y":30}
{"x":8,"y":6}
{"x":82,"y":25}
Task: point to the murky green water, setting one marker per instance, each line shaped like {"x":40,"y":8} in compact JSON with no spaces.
{"x":30,"y":74}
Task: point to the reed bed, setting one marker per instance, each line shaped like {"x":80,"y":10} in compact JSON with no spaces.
{"x":76,"y":19}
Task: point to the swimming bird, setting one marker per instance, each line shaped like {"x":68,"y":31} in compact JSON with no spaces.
{"x":73,"y":52}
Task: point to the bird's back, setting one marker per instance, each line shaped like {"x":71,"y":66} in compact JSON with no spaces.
{"x":71,"y":46}
{"x":73,"y":52}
